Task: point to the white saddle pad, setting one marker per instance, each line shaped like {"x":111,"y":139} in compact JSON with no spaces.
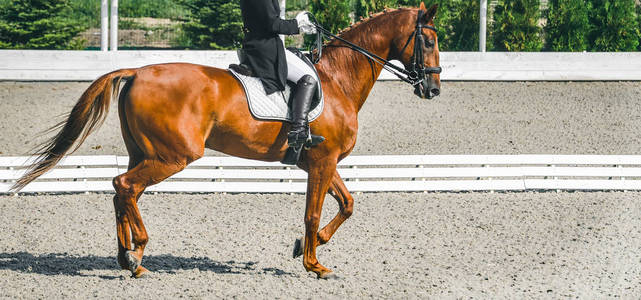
{"x":273,"y":106}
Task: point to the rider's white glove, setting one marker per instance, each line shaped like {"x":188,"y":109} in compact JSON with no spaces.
{"x":304,"y":25}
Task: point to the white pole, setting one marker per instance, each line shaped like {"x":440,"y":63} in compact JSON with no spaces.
{"x":482,"y":25}
{"x":104,"y":24}
{"x":283,"y":4}
{"x":113,"y":34}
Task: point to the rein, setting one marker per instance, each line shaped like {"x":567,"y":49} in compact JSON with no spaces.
{"x":416,"y":74}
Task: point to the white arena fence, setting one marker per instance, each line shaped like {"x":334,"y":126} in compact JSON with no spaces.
{"x":383,"y":173}
{"x":53,"y":65}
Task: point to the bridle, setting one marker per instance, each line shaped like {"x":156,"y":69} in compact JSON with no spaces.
{"x":417,"y":72}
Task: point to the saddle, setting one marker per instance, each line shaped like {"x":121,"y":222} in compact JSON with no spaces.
{"x":275,"y":106}
{"x":242,"y":69}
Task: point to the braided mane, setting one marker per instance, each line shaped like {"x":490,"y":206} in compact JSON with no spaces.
{"x":364,"y":21}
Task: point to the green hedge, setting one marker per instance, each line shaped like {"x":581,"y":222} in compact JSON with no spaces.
{"x":515,"y":26}
{"x":88,"y":11}
{"x":568,"y":25}
{"x":363,"y":8}
{"x":213,"y":24}
{"x":462,"y":27}
{"x":38,"y":24}
{"x":639,"y":23}
{"x":572,"y":25}
{"x":615,"y":26}
{"x":333,"y":14}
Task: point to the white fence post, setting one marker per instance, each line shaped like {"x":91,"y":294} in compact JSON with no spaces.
{"x":113,"y":35}
{"x":283,"y":8}
{"x":104,"y":25}
{"x":482,"y":25}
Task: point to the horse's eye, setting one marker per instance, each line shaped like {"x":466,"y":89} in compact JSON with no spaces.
{"x":429,"y":43}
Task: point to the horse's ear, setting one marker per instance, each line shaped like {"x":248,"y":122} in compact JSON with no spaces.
{"x":429,"y":15}
{"x":422,"y":6}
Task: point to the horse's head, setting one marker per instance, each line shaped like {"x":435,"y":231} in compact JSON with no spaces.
{"x":423,"y":62}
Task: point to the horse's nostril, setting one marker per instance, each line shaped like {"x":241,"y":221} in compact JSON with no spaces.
{"x":435,"y":92}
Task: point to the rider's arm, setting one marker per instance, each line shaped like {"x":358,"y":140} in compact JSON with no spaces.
{"x":272,"y":18}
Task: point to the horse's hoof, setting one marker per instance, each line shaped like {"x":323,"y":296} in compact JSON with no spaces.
{"x":132,"y":262}
{"x":122,"y":261}
{"x":329,"y":275}
{"x":298,"y":248}
{"x":141,"y":272}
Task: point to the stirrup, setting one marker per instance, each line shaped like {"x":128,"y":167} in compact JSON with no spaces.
{"x":292,"y":155}
{"x":308,"y":142}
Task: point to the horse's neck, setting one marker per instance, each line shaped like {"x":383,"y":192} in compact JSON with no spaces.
{"x":351,"y":71}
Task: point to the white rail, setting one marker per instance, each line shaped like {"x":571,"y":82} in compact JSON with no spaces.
{"x":387,"y":173}
{"x":52,"y":65}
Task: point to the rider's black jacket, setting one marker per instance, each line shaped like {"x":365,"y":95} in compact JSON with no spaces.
{"x":263,"y":48}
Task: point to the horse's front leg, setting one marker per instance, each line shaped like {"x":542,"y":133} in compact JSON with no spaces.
{"x":319,"y":179}
{"x":346,"y":205}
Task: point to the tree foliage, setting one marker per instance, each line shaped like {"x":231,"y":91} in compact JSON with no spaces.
{"x":515,"y":26}
{"x":37,"y":24}
{"x":568,"y":25}
{"x":146,"y":8}
{"x":363,"y":8}
{"x":88,"y":11}
{"x":457,"y":22}
{"x":615,"y":26}
{"x":333,"y":14}
{"x":639,"y":23}
{"x":213,"y":24}
{"x":442,"y":20}
{"x":463,"y":27}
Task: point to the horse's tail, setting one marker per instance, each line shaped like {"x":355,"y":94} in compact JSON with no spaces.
{"x":86,"y":116}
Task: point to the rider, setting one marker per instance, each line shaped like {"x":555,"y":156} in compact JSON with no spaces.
{"x":264,"y":52}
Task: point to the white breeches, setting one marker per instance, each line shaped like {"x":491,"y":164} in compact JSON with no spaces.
{"x":297,"y":68}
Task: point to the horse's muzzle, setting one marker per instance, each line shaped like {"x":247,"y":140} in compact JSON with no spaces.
{"x":427,"y":90}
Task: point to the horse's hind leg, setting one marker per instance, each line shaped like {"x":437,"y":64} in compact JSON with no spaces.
{"x":129,"y":186}
{"x":135,"y":157}
{"x":346,"y":204}
{"x":122,"y":223}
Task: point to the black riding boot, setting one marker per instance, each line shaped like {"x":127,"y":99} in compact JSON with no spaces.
{"x":300,"y":135}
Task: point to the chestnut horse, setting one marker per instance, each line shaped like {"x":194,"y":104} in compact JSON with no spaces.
{"x":170,"y":112}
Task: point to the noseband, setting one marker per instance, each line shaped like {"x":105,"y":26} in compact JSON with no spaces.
{"x":417,"y":72}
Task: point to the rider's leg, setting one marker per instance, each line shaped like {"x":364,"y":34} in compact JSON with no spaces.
{"x":303,"y":97}
{"x":301,"y":73}
{"x":296,"y":67}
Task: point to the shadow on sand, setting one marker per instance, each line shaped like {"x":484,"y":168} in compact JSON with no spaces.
{"x":66,"y":264}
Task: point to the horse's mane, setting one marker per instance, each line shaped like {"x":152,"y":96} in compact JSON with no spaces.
{"x":341,"y":61}
{"x":363,"y":22}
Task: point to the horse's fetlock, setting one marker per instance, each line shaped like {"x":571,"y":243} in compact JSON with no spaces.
{"x":141,"y":240}
{"x":347,"y":212}
{"x":309,"y":263}
{"x":322,"y":238}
